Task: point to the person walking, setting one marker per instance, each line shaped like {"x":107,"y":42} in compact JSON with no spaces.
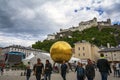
{"x":80,"y":71}
{"x":114,"y":69}
{"x":90,"y":70}
{"x":70,"y":67}
{"x":104,"y":67}
{"x":2,"y":70}
{"x":63,"y":70}
{"x":38,"y":69}
{"x":28,"y":71}
{"x":117,"y":69}
{"x":48,"y":70}
{"x":95,"y":65}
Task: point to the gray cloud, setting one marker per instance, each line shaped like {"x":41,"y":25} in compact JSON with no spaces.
{"x":5,"y":20}
{"x":15,"y":20}
{"x":32,"y":20}
{"x":112,"y":9}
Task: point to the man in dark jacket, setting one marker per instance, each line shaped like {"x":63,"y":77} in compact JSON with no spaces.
{"x":38,"y":69}
{"x":104,"y":67}
{"x":63,"y":70}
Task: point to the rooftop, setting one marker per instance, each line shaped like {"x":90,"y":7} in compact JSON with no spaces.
{"x":110,"y":49}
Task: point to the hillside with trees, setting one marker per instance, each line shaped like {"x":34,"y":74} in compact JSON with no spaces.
{"x":93,"y":35}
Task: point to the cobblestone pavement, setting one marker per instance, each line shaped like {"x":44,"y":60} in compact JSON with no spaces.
{"x":15,"y":75}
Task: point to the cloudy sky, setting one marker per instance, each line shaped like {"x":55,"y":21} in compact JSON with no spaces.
{"x":23,"y":22}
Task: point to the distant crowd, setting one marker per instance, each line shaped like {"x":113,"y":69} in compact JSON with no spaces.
{"x":83,"y":71}
{"x":43,"y":71}
{"x":116,"y":69}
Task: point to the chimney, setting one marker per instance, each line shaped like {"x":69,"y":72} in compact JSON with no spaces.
{"x":108,"y":45}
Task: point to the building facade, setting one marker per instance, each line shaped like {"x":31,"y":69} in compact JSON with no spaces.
{"x":2,"y":58}
{"x":84,"y":50}
{"x":16,"y":48}
{"x":0,"y":50}
{"x":111,"y":54}
{"x":50,"y":36}
{"x":105,"y":23}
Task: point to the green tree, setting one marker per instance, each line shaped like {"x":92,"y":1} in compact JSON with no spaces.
{"x":93,"y":35}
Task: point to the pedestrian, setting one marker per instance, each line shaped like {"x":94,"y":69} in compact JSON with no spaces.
{"x":104,"y":67}
{"x":95,"y":65}
{"x":117,"y":69}
{"x":48,"y":70}
{"x":63,"y":70}
{"x":75,"y":64}
{"x":28,"y":72}
{"x":70,"y":67}
{"x":90,"y":70}
{"x":114,"y":69}
{"x":38,"y":69}
{"x":80,"y":71}
{"x":2,"y":70}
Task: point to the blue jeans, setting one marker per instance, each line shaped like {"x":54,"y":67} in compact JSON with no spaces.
{"x":47,"y":76}
{"x":89,"y":78}
{"x":38,"y":76}
{"x":119,"y":73}
{"x":104,"y":75}
{"x":63,"y":74}
{"x":27,"y":77}
{"x":80,"y":77}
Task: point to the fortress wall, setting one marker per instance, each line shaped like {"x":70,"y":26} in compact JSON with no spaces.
{"x":88,"y":24}
{"x":111,"y":26}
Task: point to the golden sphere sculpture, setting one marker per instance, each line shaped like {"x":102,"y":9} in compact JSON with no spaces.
{"x":60,"y":51}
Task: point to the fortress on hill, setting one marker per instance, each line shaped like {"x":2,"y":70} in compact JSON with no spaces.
{"x":82,"y":26}
{"x":88,"y":24}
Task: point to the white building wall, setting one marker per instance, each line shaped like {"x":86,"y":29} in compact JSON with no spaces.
{"x":50,"y":37}
{"x":24,"y":50}
{"x":112,"y":56}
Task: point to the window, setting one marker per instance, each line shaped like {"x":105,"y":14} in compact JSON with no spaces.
{"x":83,"y":48}
{"x":114,"y":54}
{"x":79,"y":54}
{"x":83,"y":54}
{"x":18,"y":50}
{"x":78,"y":48}
{"x":106,"y":55}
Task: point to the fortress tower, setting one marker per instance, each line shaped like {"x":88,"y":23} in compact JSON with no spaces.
{"x":109,"y":21}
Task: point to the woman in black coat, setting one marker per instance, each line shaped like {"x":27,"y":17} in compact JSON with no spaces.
{"x":90,"y":71}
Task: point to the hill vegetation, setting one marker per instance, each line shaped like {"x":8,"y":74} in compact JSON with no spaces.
{"x":93,"y":35}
